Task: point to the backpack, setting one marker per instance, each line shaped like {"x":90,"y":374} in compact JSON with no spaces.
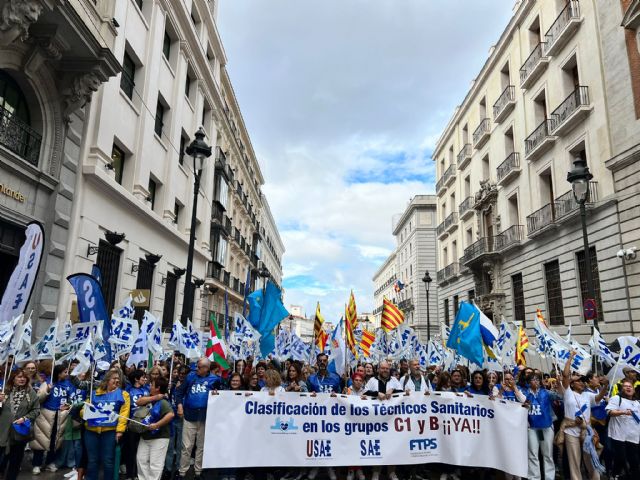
{"x":140,"y":415}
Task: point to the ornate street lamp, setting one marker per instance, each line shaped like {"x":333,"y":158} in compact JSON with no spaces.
{"x":199,"y":151}
{"x":579,"y":177}
{"x":427,"y":283}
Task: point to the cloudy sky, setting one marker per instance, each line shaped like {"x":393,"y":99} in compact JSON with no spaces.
{"x":344,"y":101}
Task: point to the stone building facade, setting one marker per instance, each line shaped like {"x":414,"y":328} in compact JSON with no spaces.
{"x":510,"y":233}
{"x":415,"y":253}
{"x":53,"y":57}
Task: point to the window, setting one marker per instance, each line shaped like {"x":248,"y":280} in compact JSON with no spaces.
{"x":595,"y":277}
{"x":455,"y":306}
{"x":219,"y":249}
{"x":221,"y":191}
{"x":187,"y":85}
{"x":471,"y":294}
{"x":108,"y":260}
{"x":183,"y":146}
{"x":446,"y":311}
{"x":176,"y":212}
{"x":518,"y":298}
{"x":14,"y":113}
{"x":169,"y":301}
{"x":159,"y":119}
{"x":128,"y":74}
{"x":152,"y":193}
{"x":166,"y":46}
{"x":117,"y":161}
{"x":554,"y":292}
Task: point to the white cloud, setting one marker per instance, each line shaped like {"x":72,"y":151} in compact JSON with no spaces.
{"x":344,"y":102}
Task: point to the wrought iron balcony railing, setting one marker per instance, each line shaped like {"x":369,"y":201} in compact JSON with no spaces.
{"x":481,"y":134}
{"x":560,"y":29}
{"x":466,"y":206}
{"x":509,"y":166}
{"x":464,"y":156}
{"x":566,"y":203}
{"x":19,"y":137}
{"x":477,"y":249}
{"x":541,"y":218}
{"x":564,"y":116}
{"x":540,"y":136}
{"x":506,"y":99}
{"x":531,"y":64}
{"x":510,"y":237}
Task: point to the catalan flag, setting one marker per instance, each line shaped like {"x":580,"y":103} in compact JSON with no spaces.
{"x":521,"y":346}
{"x":366,"y":341}
{"x":351,"y":320}
{"x":319,"y":335}
{"x":392,"y":316}
{"x":540,"y":317}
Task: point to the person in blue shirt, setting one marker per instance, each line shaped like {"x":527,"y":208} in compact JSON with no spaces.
{"x":136,"y":389}
{"x":599,"y":418}
{"x":457,"y":382}
{"x":50,"y":424}
{"x":192,"y":397}
{"x":324,"y":381}
{"x":540,"y":432}
{"x":479,"y":384}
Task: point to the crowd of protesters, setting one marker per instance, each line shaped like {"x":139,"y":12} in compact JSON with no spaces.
{"x":160,"y":426}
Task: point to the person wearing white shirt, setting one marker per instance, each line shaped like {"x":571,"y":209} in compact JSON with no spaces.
{"x":624,"y":430}
{"x":414,"y":381}
{"x":577,"y":409}
{"x":383,"y":387}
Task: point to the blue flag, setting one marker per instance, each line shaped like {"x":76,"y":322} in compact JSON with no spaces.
{"x":465,"y":337}
{"x":91,"y":306}
{"x":266,"y":312}
{"x":96,"y":273}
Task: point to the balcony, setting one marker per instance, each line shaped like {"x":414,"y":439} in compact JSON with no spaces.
{"x":563,"y":28}
{"x":236,"y":235}
{"x":509,"y":169}
{"x":227,"y":225}
{"x":20,"y":138}
{"x":505,"y":104}
{"x":571,"y":111}
{"x":448,"y":175}
{"x":534,"y":66}
{"x":451,"y":222}
{"x":226,"y":278}
{"x":465,"y":209}
{"x":235,"y":283}
{"x":539,"y":141}
{"x":217,"y":214}
{"x":482,"y":133}
{"x":448,"y":273}
{"x":566,"y":204}
{"x":478,"y":250}
{"x":441,"y":231}
{"x":464,"y":157}
{"x":510,"y":238}
{"x":541,"y":220}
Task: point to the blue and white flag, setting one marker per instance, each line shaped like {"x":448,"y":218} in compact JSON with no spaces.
{"x":91,"y":306}
{"x":18,"y":291}
{"x":298,"y":350}
{"x":337,"y":356}
{"x":154,"y":333}
{"x":127,"y":309}
{"x":101,"y":413}
{"x":81,"y":331}
{"x":124,"y":332}
{"x":84,"y":357}
{"x":45,"y":348}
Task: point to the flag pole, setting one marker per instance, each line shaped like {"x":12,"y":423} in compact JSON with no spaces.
{"x":91,"y":385}
{"x":171,"y":369}
{"x":53,"y":353}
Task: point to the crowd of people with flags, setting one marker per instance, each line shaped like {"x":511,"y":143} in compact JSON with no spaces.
{"x":121,"y":397}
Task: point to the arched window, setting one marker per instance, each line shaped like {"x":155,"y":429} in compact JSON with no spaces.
{"x":16,"y":133}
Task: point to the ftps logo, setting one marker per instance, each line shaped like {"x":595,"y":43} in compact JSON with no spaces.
{"x":286,"y":426}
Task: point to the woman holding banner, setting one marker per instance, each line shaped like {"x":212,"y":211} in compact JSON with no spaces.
{"x":19,"y":410}
{"x":102,"y":434}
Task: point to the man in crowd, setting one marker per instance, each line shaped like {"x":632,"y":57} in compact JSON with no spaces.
{"x":192,"y":397}
{"x":414,"y":381}
{"x":324,"y":381}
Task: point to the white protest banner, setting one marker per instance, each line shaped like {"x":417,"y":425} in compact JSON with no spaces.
{"x":298,"y":430}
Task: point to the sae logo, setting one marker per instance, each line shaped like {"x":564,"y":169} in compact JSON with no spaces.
{"x":370,"y":449}
{"x":287,"y":426}
{"x":319,"y":448}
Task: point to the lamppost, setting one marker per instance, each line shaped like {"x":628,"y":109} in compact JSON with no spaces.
{"x":264,"y":273}
{"x":427,"y":283}
{"x":199,"y":151}
{"x":579,"y":177}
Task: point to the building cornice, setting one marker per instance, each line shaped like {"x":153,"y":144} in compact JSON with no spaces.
{"x":416,"y":203}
